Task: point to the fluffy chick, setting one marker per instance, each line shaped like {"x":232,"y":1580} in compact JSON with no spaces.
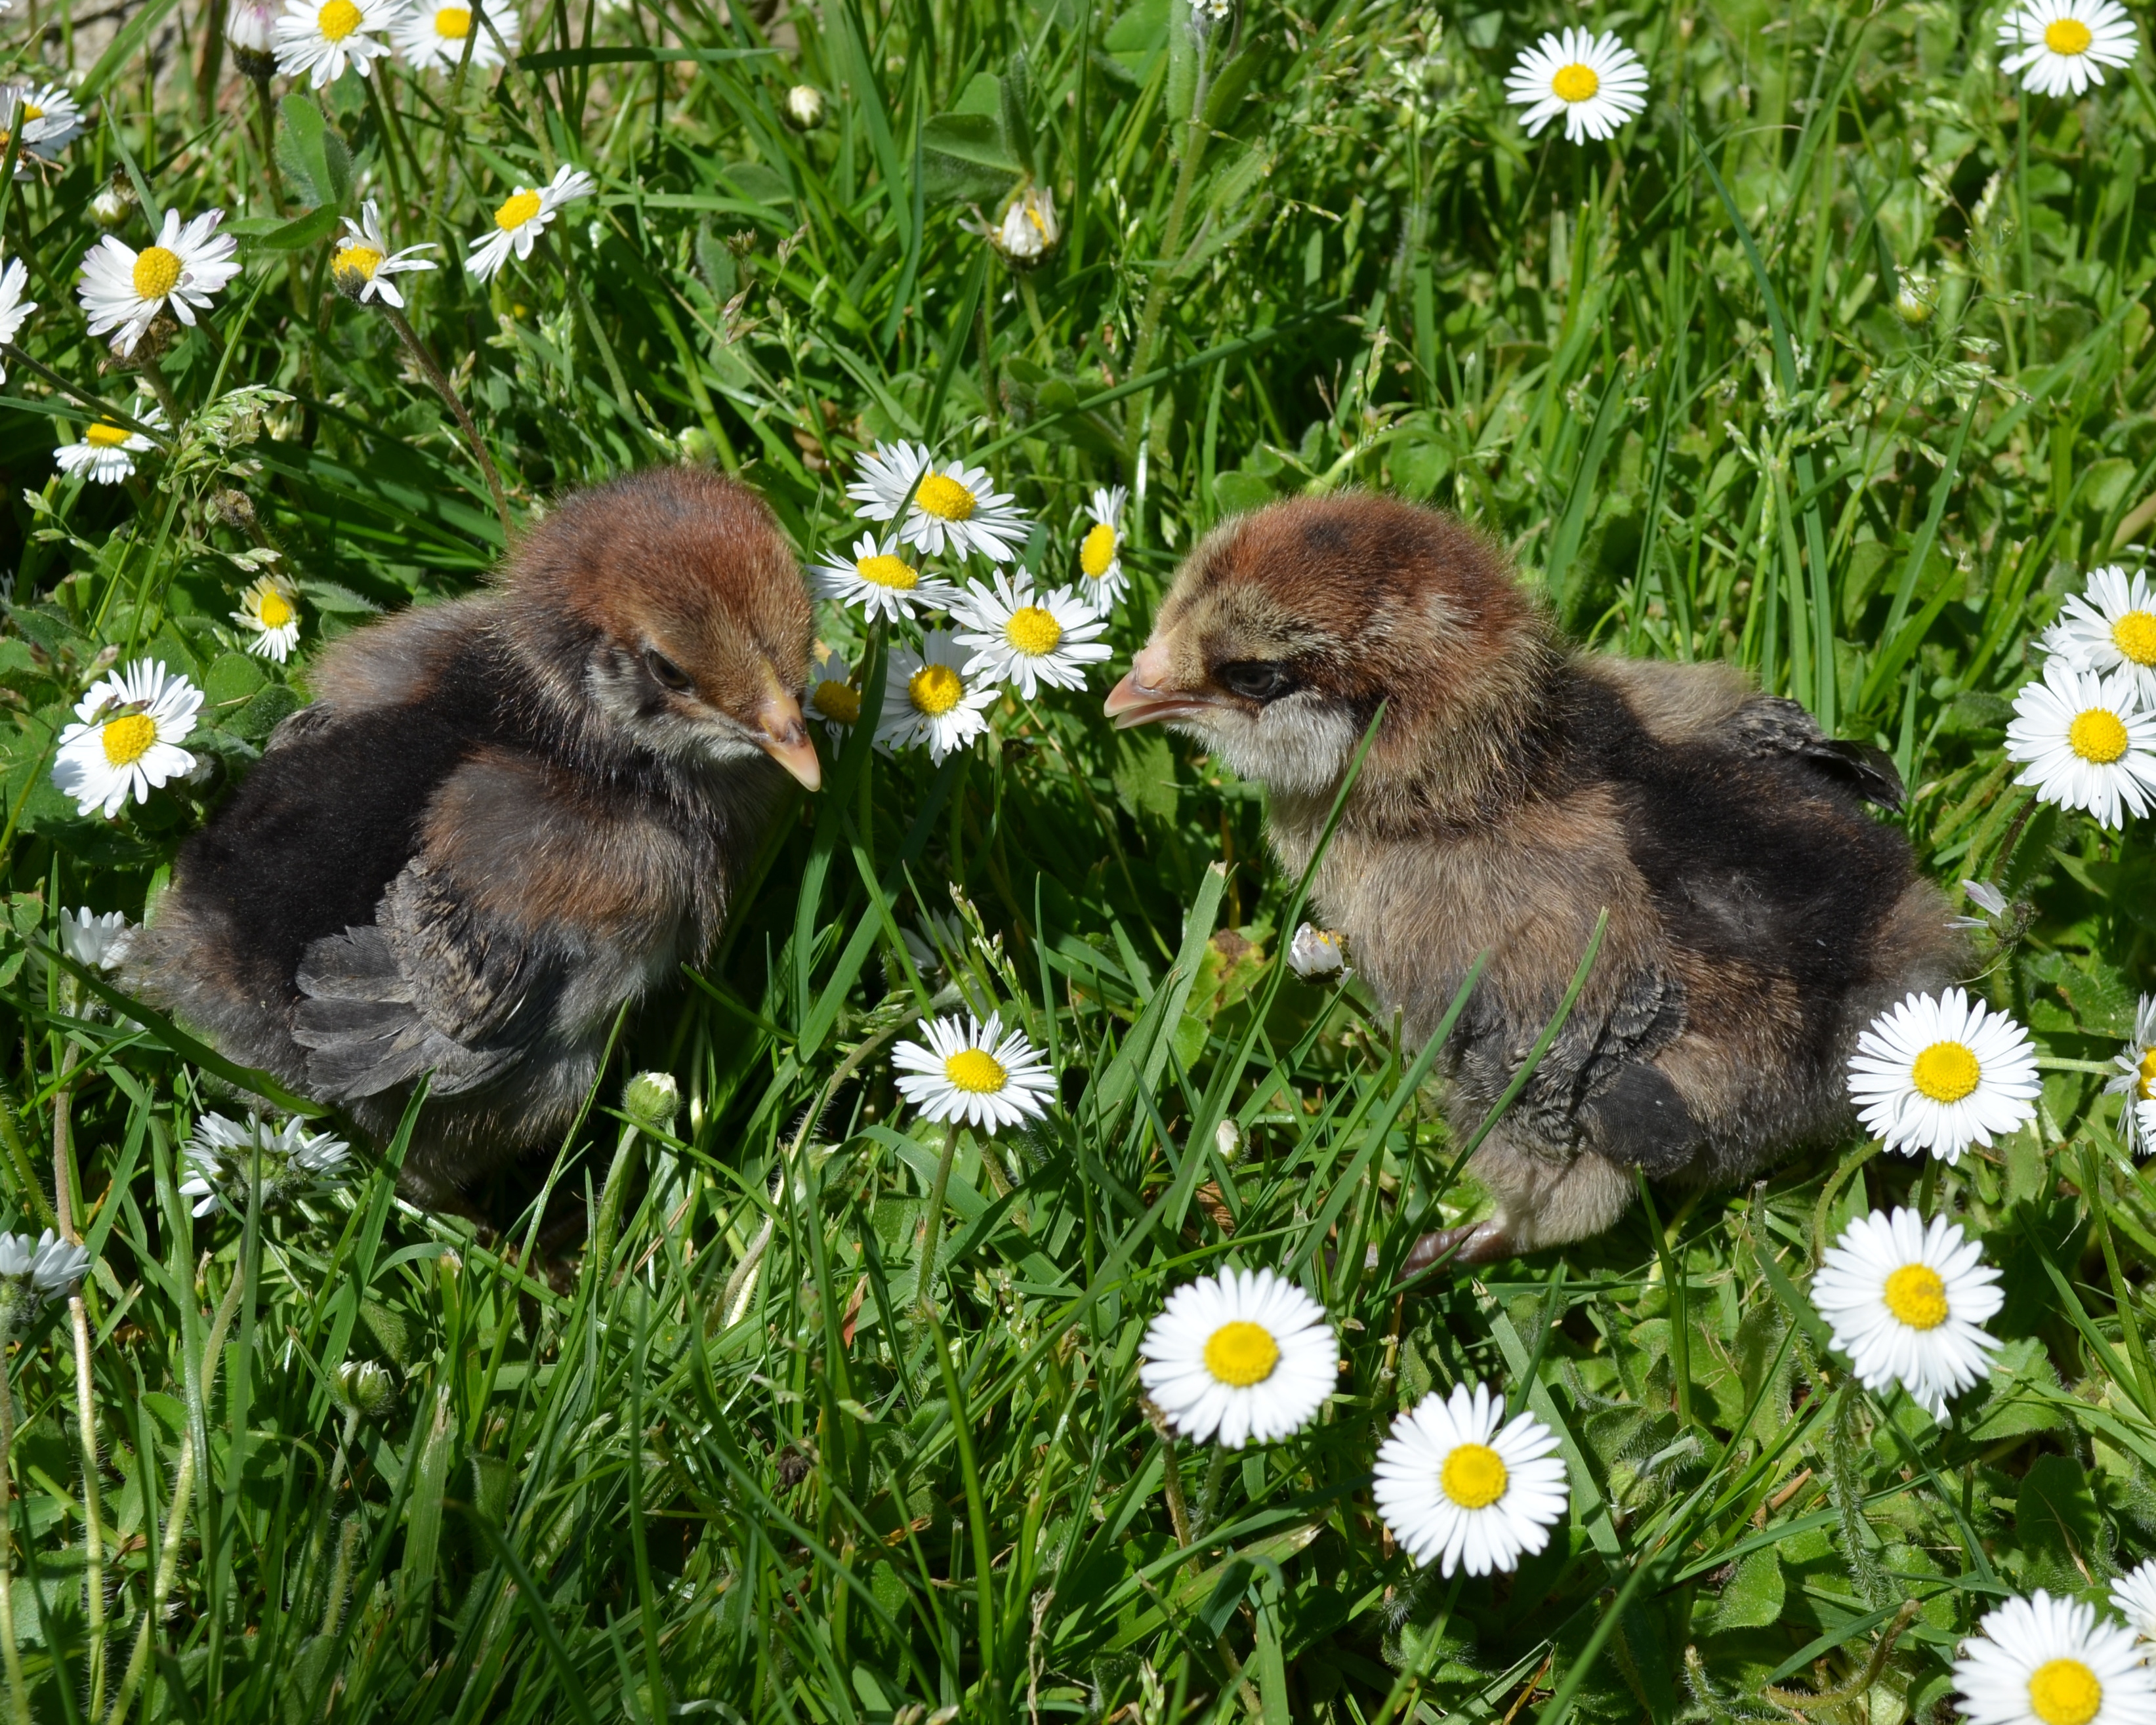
{"x":502,"y":817}
{"x":1759,"y":916}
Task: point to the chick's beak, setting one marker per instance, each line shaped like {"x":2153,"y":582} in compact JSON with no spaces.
{"x":1143,"y":696}
{"x":783,"y":735}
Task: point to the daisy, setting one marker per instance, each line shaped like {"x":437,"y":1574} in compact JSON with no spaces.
{"x":269,"y":610}
{"x":36,"y":1272}
{"x":928,"y":702}
{"x":123,"y":289}
{"x":1907,"y":1302}
{"x":2111,"y":627}
{"x":880,"y":581}
{"x":805,"y":106}
{"x":1243,"y":1357}
{"x":1028,"y":638}
{"x":95,"y":942}
{"x":106,"y":454}
{"x":14,"y":309}
{"x":250,"y":27}
{"x":832,"y":696}
{"x":2136,"y":1083}
{"x":523,"y":217}
{"x":50,"y":119}
{"x":974,"y":1072}
{"x":1028,"y":231}
{"x":1942,"y":1075}
{"x":1317,"y":951}
{"x":126,"y":737}
{"x":429,"y":36}
{"x":323,"y":39}
{"x":1459,"y":1492}
{"x":2133,"y":1597}
{"x":1596,"y":83}
{"x":363,"y":262}
{"x":1100,"y":551}
{"x":2085,"y":742}
{"x":955,"y":507}
{"x":223,"y":1155}
{"x":2065,"y":44}
{"x":2047,"y":1662}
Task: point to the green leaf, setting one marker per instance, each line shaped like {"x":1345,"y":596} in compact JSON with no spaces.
{"x":2054,"y":1519}
{"x":311,"y":152}
{"x":233,"y":679}
{"x":1754,"y":1596}
{"x":316,"y":225}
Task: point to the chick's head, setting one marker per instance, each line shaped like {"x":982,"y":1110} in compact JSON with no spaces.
{"x":1287,"y":628}
{"x":670,"y":602}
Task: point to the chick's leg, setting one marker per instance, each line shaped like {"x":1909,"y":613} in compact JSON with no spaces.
{"x":1541,"y":1202}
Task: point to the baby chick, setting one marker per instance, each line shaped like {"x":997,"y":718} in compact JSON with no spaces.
{"x":1516,"y":788}
{"x":502,"y":817}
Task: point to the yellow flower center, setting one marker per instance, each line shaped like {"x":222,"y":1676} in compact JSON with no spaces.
{"x":2146,"y":1089}
{"x":31,"y":110}
{"x":452,"y":23}
{"x":944,"y":496}
{"x":2098,"y":735}
{"x":101,"y":436}
{"x":516,"y":211}
{"x":1575,"y":83}
{"x":1241,"y":1354}
{"x":2067,"y":36}
{"x":2135,"y":635}
{"x":1098,"y":551}
{"x":1474,"y":1477}
{"x":837,"y":700}
{"x":361,"y":259}
{"x":337,"y":20}
{"x":934,"y":690}
{"x":2065,"y":1691}
{"x":888,"y":571}
{"x":1946,"y":1071}
{"x":157,"y":273}
{"x":1916,"y":1297}
{"x":1033,"y":631}
{"x":976,"y":1071}
{"x":274,"y":609}
{"x":128,"y":738}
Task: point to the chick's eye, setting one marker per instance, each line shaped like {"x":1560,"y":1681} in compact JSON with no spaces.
{"x":1257,"y":679}
{"x":664,"y":669}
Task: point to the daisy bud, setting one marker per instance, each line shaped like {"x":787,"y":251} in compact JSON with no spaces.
{"x":249,"y":27}
{"x":1915,"y":297}
{"x":805,"y":106}
{"x":1317,"y":951}
{"x":367,"y":1387}
{"x":652,"y":1100}
{"x":114,"y":203}
{"x":1027,"y":231}
{"x":37,"y":1273}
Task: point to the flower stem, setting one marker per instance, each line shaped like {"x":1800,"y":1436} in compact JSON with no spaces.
{"x":161,"y":386}
{"x":18,"y":1698}
{"x":85,"y":1397}
{"x":443,"y":387}
{"x":104,"y":410}
{"x":931,"y":1225}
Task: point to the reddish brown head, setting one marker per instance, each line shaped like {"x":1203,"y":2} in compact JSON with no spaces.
{"x":671,"y":600}
{"x":1288,"y":627}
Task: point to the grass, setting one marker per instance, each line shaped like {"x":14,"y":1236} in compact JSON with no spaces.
{"x":1834,"y":365}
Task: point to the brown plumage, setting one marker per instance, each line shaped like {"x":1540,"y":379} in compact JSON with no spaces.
{"x":1759,"y":916}
{"x":502,"y":817}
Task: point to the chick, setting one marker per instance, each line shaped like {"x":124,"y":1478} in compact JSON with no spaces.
{"x":1517,"y":787}
{"x":502,"y":817}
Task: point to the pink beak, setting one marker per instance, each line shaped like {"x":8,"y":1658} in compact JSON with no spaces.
{"x":784,"y":737}
{"x":1142,"y":698}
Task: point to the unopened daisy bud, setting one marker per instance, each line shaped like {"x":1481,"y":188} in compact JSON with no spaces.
{"x":652,"y":1100}
{"x":37,"y":1273}
{"x":805,"y":106}
{"x":94,"y":942}
{"x":1915,"y":297}
{"x":367,"y":1387}
{"x":250,"y":28}
{"x":1317,"y":951}
{"x":1029,"y":230}
{"x":114,"y":203}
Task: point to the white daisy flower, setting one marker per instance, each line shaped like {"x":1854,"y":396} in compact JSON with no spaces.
{"x":1100,"y":551}
{"x":1032,"y":639}
{"x":126,"y":737}
{"x":106,"y":453}
{"x":2136,"y":1083}
{"x":1029,"y":230}
{"x":2133,"y":1597}
{"x":1940,"y":1075}
{"x":880,"y":581}
{"x":930,"y":702}
{"x":363,"y":264}
{"x":1596,"y":83}
{"x":250,"y":27}
{"x":523,"y":217}
{"x":2111,"y":627}
{"x":1244,"y":1357}
{"x":2064,"y":45}
{"x":123,"y":289}
{"x":832,"y":696}
{"x":269,"y":611}
{"x":2085,"y":742}
{"x":35,"y":1273}
{"x":1906,"y":1303}
{"x":1460,"y":1493}
{"x":14,"y":309}
{"x":2047,"y":1662}
{"x":95,"y":942}
{"x":1317,"y":951}
{"x":318,"y":39}
{"x":48,"y":116}
{"x":431,"y":36}
{"x":954,"y":508}
{"x":223,"y":1155}
{"x":981,"y":1074}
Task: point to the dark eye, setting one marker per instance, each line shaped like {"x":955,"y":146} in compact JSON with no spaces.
{"x":664,"y":669}
{"x":1257,"y":679}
